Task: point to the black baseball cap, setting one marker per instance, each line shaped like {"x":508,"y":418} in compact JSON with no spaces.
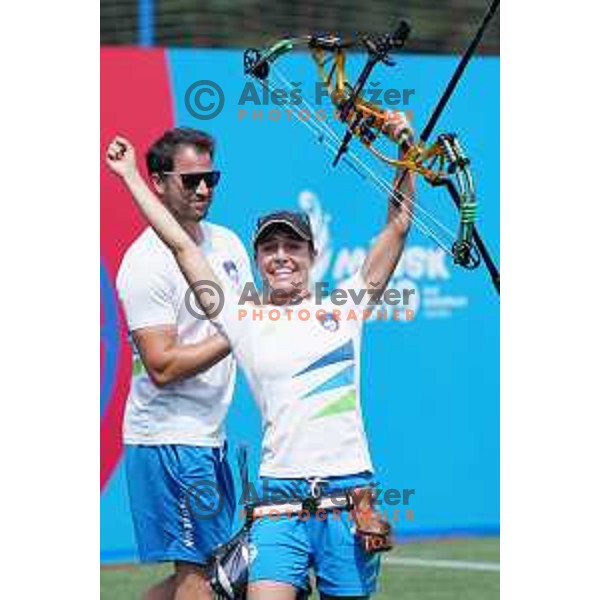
{"x":298,"y":222}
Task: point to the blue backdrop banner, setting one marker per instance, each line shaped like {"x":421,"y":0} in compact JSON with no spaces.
{"x":430,"y":386}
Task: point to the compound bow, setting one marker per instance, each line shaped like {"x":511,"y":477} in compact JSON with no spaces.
{"x":442,"y":163}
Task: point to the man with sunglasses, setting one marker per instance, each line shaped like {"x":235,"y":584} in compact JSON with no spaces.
{"x":183,"y":376}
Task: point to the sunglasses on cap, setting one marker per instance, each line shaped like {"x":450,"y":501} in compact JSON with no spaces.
{"x":191,"y":181}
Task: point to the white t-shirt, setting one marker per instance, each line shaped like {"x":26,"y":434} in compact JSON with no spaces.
{"x":305,"y":376}
{"x":152,"y":290}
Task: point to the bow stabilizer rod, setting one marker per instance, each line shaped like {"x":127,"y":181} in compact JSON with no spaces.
{"x":462,"y":65}
{"x":435,"y":115}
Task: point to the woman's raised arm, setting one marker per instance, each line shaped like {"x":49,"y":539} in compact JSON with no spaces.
{"x":385,"y":253}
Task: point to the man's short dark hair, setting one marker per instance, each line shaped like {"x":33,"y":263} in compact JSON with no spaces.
{"x":159,"y":157}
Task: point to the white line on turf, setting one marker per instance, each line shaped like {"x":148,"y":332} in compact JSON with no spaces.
{"x":441,"y":564}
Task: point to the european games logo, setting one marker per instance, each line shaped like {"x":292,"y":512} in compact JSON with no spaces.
{"x":109,"y":338}
{"x":111,"y":390}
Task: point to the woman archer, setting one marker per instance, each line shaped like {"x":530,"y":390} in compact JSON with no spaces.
{"x":305,"y":376}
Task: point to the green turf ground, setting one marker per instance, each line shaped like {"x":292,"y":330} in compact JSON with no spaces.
{"x":397,"y":582}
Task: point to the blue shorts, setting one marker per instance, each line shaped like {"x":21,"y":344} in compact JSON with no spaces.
{"x":182,"y":501}
{"x":285,"y":548}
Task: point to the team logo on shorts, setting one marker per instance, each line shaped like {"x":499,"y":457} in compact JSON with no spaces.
{"x":252,"y":552}
{"x":232,"y":271}
{"x":329,"y":322}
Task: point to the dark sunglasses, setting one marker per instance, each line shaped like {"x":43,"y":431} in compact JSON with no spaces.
{"x":191,"y":181}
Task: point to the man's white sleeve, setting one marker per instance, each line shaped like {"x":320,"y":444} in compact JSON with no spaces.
{"x":244,"y":262}
{"x":146,"y":296}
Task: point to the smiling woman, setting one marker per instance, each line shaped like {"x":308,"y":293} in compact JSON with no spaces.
{"x":284,"y":251}
{"x":305,"y":377}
